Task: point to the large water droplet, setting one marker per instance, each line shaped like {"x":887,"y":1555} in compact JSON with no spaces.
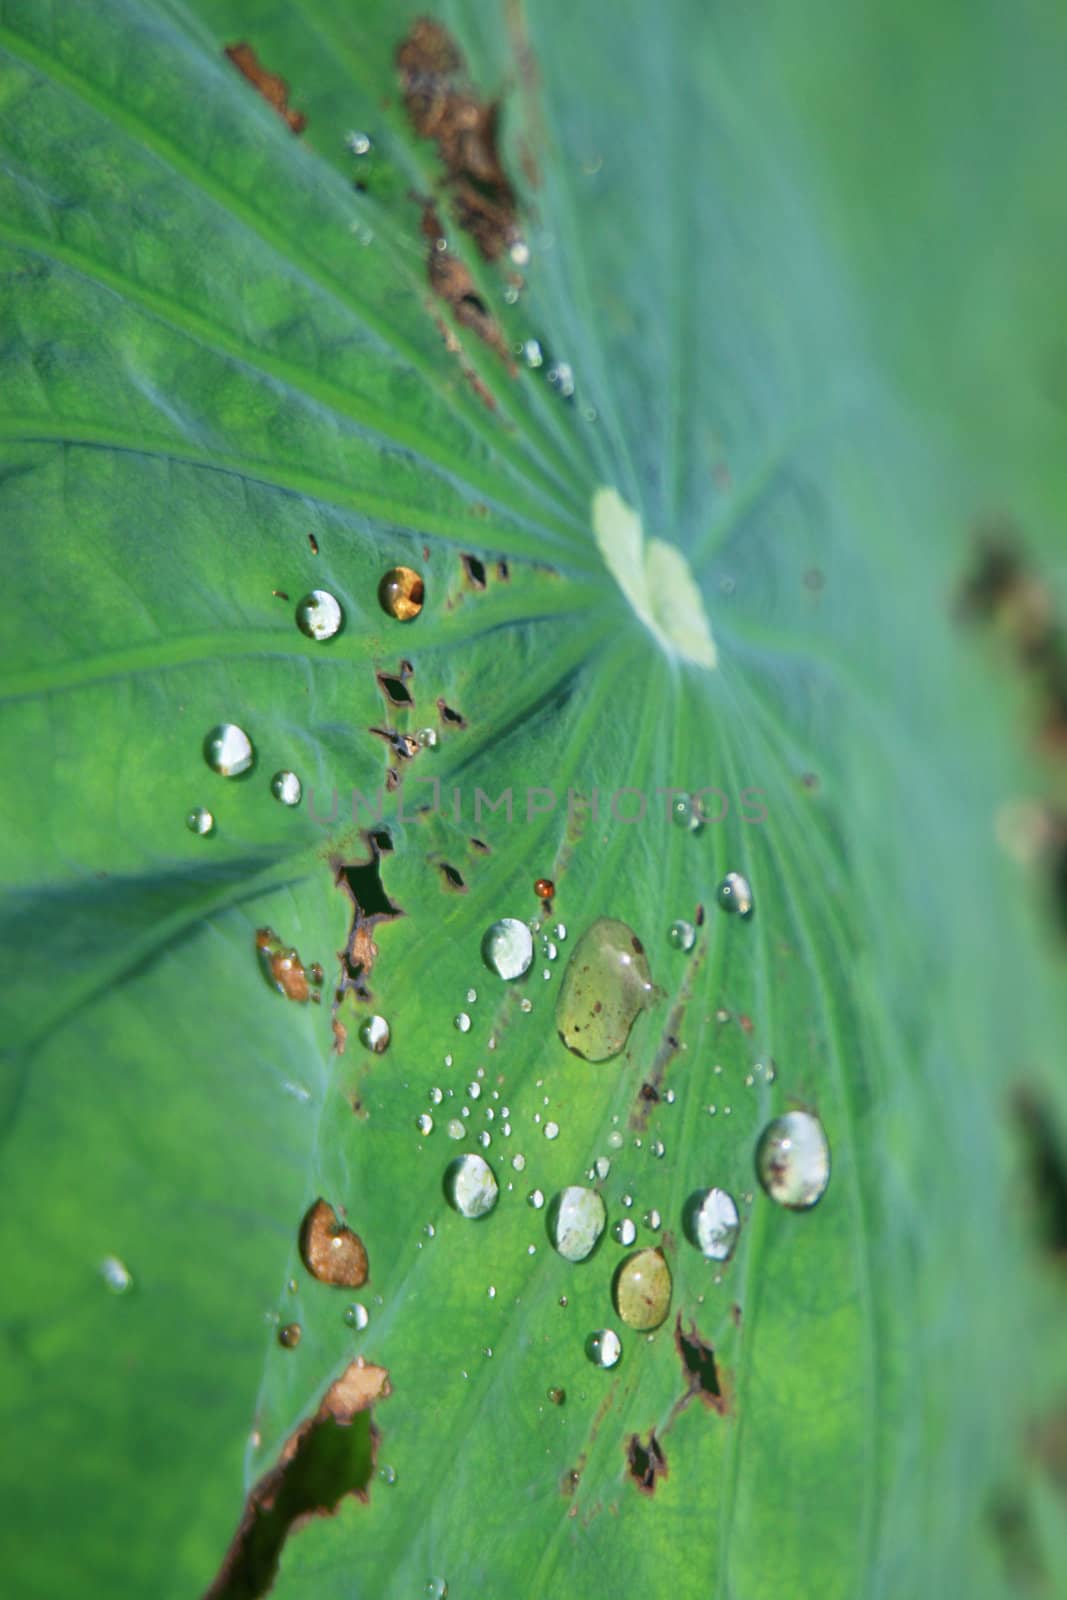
{"x":642,"y":1289}
{"x":401,"y":593}
{"x":604,"y":1348}
{"x":507,"y":948}
{"x":331,"y":1252}
{"x":716,"y":1225}
{"x":228,"y":750}
{"x":576,"y":1221}
{"x":681,"y":935}
{"x":735,"y":894}
{"x":375,"y":1034}
{"x":471,"y":1186}
{"x":793,"y":1160}
{"x":606,"y":984}
{"x":319,"y":615}
{"x":200,"y":820}
{"x":286,"y":787}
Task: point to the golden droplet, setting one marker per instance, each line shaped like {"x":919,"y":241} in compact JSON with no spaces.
{"x":330,"y":1251}
{"x":401,"y":593}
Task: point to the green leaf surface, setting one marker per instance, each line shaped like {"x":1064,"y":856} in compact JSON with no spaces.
{"x":806,"y":265}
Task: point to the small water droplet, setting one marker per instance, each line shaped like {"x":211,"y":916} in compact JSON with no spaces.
{"x":518,"y":1162}
{"x":735,"y":894}
{"x":658,"y":1149}
{"x":687,"y":812}
{"x":536,"y":1199}
{"x":576,"y":1221}
{"x":375,"y":1034}
{"x":319,"y":616}
{"x":448,"y":1063}
{"x":526,"y":1004}
{"x":456,"y":1129}
{"x":606,"y":984}
{"x":642,"y":1290}
{"x":716,"y":1225}
{"x":387,"y":1475}
{"x":627,"y":1200}
{"x":424,"y":1123}
{"x":681,"y":935}
{"x":652,"y":1220}
{"x":228,"y":750}
{"x":604,"y":1348}
{"x":544,"y":888}
{"x":200,"y":820}
{"x":358,"y":144}
{"x":116,"y":1275}
{"x":401,"y":593}
{"x":507,"y":948}
{"x":286,"y":787}
{"x":615,"y":1140}
{"x":462,"y":1023}
{"x":561,"y":377}
{"x":426,"y":738}
{"x":357,"y":1316}
{"x":557,"y":1396}
{"x":560,"y":931}
{"x":551,"y":1130}
{"x":793,"y":1160}
{"x":531,"y":353}
{"x":472,"y":995}
{"x":602,"y":1166}
{"x":485,"y":1138}
{"x":625,"y":1232}
{"x":471,"y":1186}
{"x":437,"y":1589}
{"x":670,"y":1097}
{"x":289,"y":1335}
{"x":436,"y":1096}
{"x":520,"y":253}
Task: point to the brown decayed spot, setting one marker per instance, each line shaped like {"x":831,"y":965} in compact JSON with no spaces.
{"x":646,"y":1462}
{"x":330,"y":1456}
{"x":282,"y":966}
{"x":451,"y":281}
{"x":371,"y":906}
{"x":331,"y":1252}
{"x":699,"y":1368}
{"x":274,"y":89}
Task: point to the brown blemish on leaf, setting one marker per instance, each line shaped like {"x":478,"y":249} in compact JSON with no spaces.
{"x":371,"y":906}
{"x":451,"y":281}
{"x":314,"y":543}
{"x":330,"y":1456}
{"x":646,"y":1463}
{"x":282,"y":966}
{"x":454,"y":718}
{"x":274,"y":89}
{"x":450,"y":878}
{"x":331,"y":1252}
{"x":340,"y":1037}
{"x":442,"y":106}
{"x":279,"y":594}
{"x":699,"y":1369}
{"x":481,"y":847}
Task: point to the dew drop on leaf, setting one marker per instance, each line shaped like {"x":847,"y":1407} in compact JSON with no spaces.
{"x":544,"y":888}
{"x":401,"y":593}
{"x":424,"y":1123}
{"x":319,"y":615}
{"x":357,"y":1316}
{"x":576,"y":1221}
{"x":374,"y":1034}
{"x":604,"y":1348}
{"x":551,"y":1130}
{"x":331,"y":1252}
{"x":286,"y":787}
{"x":456,"y":1129}
{"x":642,"y":1290}
{"x":462,"y":1023}
{"x":681,"y":935}
{"x":426,"y":738}
{"x":735,"y":894}
{"x":200,"y":820}
{"x":687,"y":812}
{"x":793,"y":1160}
{"x":116,"y":1275}
{"x":228,"y":750}
{"x":536,"y":1199}
{"x":507,"y":948}
{"x":716,"y":1224}
{"x":437,"y":1589}
{"x":289,"y":1336}
{"x":471,"y":1186}
{"x":606,"y":984}
{"x":625,"y":1232}
{"x":282,"y":967}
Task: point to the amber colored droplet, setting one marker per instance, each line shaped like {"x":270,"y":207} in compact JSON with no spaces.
{"x":400,"y":593}
{"x":544,"y":888}
{"x":330,"y":1251}
{"x":282,"y":967}
{"x":289,"y":1336}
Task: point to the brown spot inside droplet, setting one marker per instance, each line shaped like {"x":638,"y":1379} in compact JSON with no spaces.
{"x":544,"y":888}
{"x":401,"y":593}
{"x":289,"y":1336}
{"x":282,"y":966}
{"x":331,"y":1252}
{"x":274,"y":89}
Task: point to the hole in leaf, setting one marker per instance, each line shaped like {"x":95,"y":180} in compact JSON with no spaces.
{"x":474,"y":570}
{"x":395,"y":689}
{"x":1046,"y":1159}
{"x":452,"y":879}
{"x":328,"y":1457}
{"x":699,"y":1367}
{"x":646,"y":1463}
{"x":371,"y":905}
{"x":448,"y":715}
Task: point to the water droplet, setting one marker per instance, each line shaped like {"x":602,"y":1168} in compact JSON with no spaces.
{"x":289,"y":1336}
{"x":472,"y":995}
{"x":426,"y":738}
{"x":228,"y":750}
{"x":602,"y":1166}
{"x":536,"y":1199}
{"x":331,"y":1252}
{"x":518,"y":1162}
{"x":520,"y":253}
{"x":462,"y":1023}
{"x":604,"y":1348}
{"x":282,"y":966}
{"x":357,"y":1316}
{"x":793,"y":1160}
{"x":560,"y":931}
{"x":576,"y":1221}
{"x":627,"y":1200}
{"x":544,"y":888}
{"x":456,"y":1129}
{"x":625,"y":1231}
{"x":532,"y":353}
{"x":319,"y":615}
{"x":735,"y":894}
{"x":642,"y":1290}
{"x":507,"y":948}
{"x":658,"y":1149}
{"x":359,"y":144}
{"x":200,"y":820}
{"x":387,"y":1475}
{"x":652,"y":1220}
{"x":557,"y":1396}
{"x":116,"y":1275}
{"x":485,"y":1138}
{"x":436,"y":1096}
{"x":437,"y":1589}
{"x":526,"y":1004}
{"x":424,"y":1122}
{"x":550,"y":950}
{"x":687,"y":812}
{"x":286,"y":787}
{"x":374,"y":1034}
{"x":471,"y":1186}
{"x":561,"y":377}
{"x":615,"y":1140}
{"x":716,"y":1225}
{"x":401,"y":594}
{"x":551,"y":1130}
{"x":681,"y":935}
{"x":606,"y":984}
